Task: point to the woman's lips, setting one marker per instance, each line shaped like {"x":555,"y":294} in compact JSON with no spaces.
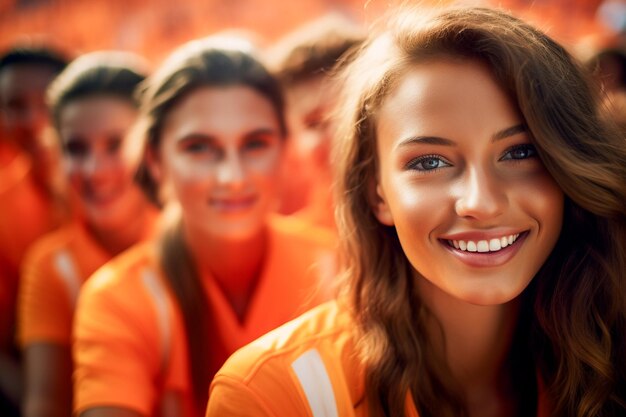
{"x":233,"y":204}
{"x":486,"y":252}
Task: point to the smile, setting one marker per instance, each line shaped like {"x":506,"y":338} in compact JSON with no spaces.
{"x":487,"y":252}
{"x":491,"y":245}
{"x":233,"y":204}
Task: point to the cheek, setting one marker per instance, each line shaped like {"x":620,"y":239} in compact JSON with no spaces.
{"x":264,"y":168}
{"x":549,"y":208}
{"x":186,"y":170}
{"x":126,"y":173}
{"x":265,"y":163}
{"x":74,"y":170}
{"x":418,"y":206}
{"x":188,"y":183}
{"x":179,"y":178}
{"x":544,"y":200}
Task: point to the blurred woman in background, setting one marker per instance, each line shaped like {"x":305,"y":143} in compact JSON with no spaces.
{"x":93,"y":108}
{"x":154,"y":325}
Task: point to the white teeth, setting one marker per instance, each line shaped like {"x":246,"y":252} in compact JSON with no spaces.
{"x":492,"y":245}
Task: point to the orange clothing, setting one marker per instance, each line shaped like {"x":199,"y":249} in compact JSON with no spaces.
{"x":130,"y":347}
{"x":26,"y":213}
{"x":54,"y":269}
{"x":320,"y":209}
{"x":306,"y":368}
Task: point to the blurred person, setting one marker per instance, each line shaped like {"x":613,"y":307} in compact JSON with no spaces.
{"x":481,"y":210}
{"x":304,"y":60}
{"x":614,"y":109}
{"x":609,"y":65}
{"x":30,"y":200}
{"x":93,"y":107}
{"x":155,"y":324}
{"x":25,"y":72}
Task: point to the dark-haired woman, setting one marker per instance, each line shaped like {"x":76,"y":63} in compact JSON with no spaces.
{"x":155,"y":324}
{"x":93,"y":108}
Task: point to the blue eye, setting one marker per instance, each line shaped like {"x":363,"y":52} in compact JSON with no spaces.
{"x":427,"y":163}
{"x":520,"y":152}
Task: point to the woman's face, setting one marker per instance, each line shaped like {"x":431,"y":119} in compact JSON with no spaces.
{"x":475,"y":210}
{"x":219,"y":157}
{"x":93,"y":132}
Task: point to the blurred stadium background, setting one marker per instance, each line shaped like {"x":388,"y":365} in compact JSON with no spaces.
{"x":154,"y":27}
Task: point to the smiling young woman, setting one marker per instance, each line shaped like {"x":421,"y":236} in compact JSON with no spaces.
{"x":481,"y":209}
{"x":93,"y":108}
{"x":155,"y":324}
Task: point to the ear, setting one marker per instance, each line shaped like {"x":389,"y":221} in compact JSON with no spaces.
{"x":153,"y":164}
{"x":378,"y":202}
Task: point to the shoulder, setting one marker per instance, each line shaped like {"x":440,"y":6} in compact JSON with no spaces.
{"x":326,"y":322}
{"x":48,"y":245}
{"x":117,"y":302}
{"x":318,"y":345}
{"x":123,"y":275}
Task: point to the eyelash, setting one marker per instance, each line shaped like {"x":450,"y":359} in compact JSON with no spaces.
{"x":530,"y":150}
{"x":195,"y":147}
{"x":413,"y":164}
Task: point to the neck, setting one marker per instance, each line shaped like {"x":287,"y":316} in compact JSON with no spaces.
{"x":117,"y":241}
{"x":234,"y":264}
{"x":476,"y":341}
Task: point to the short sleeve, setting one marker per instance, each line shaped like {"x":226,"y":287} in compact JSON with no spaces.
{"x":116,"y":346}
{"x":45,"y":310}
{"x":230,"y":397}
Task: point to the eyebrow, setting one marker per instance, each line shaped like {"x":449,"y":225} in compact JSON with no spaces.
{"x":436,"y":140}
{"x":426,"y":140}
{"x":195,"y":136}
{"x":204,"y":136}
{"x":509,"y":131}
{"x":263,"y":131}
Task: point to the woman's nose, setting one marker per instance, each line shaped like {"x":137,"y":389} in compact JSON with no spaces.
{"x":480,"y":196}
{"x":231,"y":170}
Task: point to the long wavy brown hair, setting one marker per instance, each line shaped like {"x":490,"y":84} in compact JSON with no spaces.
{"x":572,"y":328}
{"x":200,"y":63}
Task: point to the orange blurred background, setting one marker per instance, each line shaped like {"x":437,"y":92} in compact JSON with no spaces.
{"x":154,"y":27}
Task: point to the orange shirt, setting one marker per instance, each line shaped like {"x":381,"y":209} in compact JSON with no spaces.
{"x":320,"y":210}
{"x":130,"y":347}
{"x":306,"y":368}
{"x":26,"y":213}
{"x":54,"y":269}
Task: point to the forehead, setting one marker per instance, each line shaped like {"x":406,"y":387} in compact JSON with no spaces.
{"x":445,"y":94}
{"x":96,"y":113}
{"x":19,"y":79}
{"x":220,"y":110}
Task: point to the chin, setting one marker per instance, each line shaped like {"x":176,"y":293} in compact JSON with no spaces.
{"x":238,"y":234}
{"x":488,"y":297}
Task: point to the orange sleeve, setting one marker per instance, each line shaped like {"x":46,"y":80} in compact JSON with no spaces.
{"x":45,"y":309}
{"x":116,"y":345}
{"x":259,"y":381}
{"x":230,"y":397}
